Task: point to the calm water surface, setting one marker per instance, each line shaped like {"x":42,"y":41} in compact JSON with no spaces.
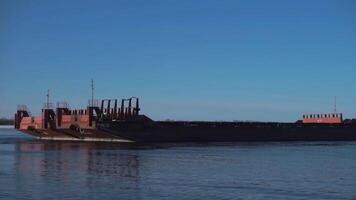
{"x":32,"y":169}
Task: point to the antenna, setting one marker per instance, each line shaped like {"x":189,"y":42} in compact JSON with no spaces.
{"x":47,"y":98}
{"x":335,"y":105}
{"x":92,"y":92}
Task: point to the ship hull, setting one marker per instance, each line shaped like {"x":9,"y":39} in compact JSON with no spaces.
{"x":227,"y":131}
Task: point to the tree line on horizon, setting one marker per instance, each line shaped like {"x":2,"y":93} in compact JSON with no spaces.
{"x":6,"y":121}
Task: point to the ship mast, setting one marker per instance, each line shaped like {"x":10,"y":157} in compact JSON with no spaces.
{"x":92,"y":92}
{"x":335,"y":105}
{"x":47,"y":99}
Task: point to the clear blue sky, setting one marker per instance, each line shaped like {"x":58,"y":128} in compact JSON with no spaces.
{"x":208,"y":60}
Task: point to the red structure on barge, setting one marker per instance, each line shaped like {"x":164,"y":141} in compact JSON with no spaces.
{"x":333,"y":118}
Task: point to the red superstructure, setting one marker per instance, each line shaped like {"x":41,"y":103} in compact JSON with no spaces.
{"x":63,"y":123}
{"x":333,"y":118}
{"x":63,"y":117}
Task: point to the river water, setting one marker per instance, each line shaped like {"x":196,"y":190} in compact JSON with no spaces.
{"x":33,"y":169}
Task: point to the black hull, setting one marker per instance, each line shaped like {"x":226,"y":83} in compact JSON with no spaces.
{"x":152,"y":132}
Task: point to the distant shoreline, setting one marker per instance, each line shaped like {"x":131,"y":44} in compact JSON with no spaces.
{"x":6,"y":122}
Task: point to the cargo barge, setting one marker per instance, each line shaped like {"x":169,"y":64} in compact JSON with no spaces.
{"x":124,"y":123}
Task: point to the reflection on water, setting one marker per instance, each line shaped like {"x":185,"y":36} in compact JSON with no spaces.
{"x":88,"y":158}
{"x":79,"y":165}
{"x":32,"y":169}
